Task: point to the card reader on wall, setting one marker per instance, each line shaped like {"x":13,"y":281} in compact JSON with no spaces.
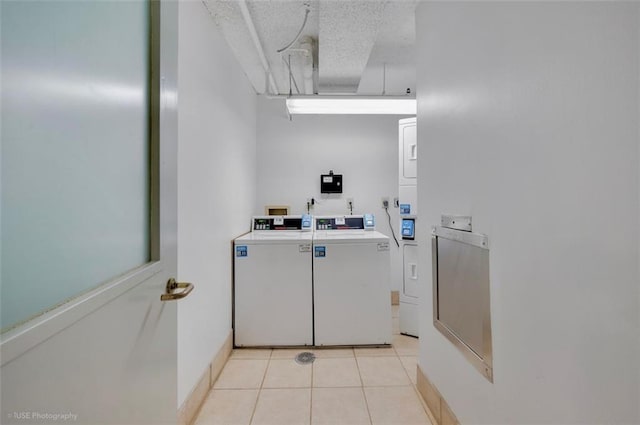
{"x":408,"y":228}
{"x":331,"y":183}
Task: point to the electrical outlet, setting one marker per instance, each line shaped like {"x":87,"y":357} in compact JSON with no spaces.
{"x":396,"y":203}
{"x":385,"y":202}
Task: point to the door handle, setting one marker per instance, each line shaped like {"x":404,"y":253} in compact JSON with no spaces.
{"x":172,"y":285}
{"x":414,"y":271}
{"x":413,"y":152}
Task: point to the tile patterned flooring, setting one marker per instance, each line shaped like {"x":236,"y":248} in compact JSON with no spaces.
{"x":361,"y":386}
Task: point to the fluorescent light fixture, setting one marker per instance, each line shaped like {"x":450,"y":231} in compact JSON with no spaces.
{"x":339,"y":105}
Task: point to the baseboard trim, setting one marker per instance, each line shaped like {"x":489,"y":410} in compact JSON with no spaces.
{"x":395,"y":297}
{"x":189,"y":410}
{"x":441,"y":411}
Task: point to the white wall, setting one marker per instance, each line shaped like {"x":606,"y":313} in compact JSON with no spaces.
{"x":528,"y":121}
{"x":216,"y":185}
{"x":293,"y":154}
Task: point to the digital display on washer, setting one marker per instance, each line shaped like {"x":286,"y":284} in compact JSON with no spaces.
{"x":262,"y":224}
{"x":280,"y":223}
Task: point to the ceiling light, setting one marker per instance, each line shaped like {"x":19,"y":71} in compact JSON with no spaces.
{"x":385,"y":105}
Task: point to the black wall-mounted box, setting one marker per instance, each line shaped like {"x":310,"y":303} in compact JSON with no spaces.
{"x":331,"y":183}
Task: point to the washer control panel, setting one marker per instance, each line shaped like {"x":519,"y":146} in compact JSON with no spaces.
{"x":346,"y":222}
{"x":283,"y":222}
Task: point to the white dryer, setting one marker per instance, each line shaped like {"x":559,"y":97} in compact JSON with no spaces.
{"x":408,"y":194}
{"x":351,"y":280}
{"x":273,"y":283}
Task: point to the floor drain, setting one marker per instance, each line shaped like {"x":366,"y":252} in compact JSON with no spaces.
{"x":305,"y":358}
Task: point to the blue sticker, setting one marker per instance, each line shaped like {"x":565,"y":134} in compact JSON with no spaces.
{"x":369,"y":221}
{"x":306,"y":221}
{"x":320,"y":251}
{"x":405,"y":208}
{"x":241,"y":251}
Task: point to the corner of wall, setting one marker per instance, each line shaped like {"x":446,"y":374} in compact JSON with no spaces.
{"x":437,"y":405}
{"x":188,"y":412}
{"x":217,"y":162}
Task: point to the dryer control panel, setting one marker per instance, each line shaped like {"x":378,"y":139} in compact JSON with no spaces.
{"x":283,"y":222}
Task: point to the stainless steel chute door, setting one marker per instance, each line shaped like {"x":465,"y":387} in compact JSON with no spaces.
{"x":461,"y":304}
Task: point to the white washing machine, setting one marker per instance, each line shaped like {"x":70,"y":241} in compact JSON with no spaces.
{"x":351,"y":281}
{"x":273,"y":291}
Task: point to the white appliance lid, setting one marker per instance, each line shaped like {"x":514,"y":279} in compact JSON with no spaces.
{"x":349,"y":236}
{"x":275,"y":237}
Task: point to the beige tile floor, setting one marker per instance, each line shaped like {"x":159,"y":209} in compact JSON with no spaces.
{"x":368,"y":386}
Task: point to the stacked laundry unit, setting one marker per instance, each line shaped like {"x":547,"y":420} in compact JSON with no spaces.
{"x":408,"y":197}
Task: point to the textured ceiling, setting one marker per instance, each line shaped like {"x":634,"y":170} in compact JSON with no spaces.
{"x":348,"y":31}
{"x":393,"y":55}
{"x":354,"y":40}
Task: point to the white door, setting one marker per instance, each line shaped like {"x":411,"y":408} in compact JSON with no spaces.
{"x":410,"y":277}
{"x":408,"y":151}
{"x":88,"y":212}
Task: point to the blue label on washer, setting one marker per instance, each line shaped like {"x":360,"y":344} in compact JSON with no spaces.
{"x":405,"y":208}
{"x":241,"y":251}
{"x":320,"y":251}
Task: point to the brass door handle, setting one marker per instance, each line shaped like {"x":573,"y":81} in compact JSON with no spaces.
{"x":172,"y":285}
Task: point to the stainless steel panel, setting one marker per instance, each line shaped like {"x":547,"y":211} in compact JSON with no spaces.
{"x":461,"y":283}
{"x":475,"y":239}
{"x":458,"y":222}
{"x":461,"y":303}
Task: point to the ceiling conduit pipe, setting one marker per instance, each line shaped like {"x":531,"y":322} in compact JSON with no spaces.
{"x":305,"y":65}
{"x":256,"y":41}
{"x":306,"y":45}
